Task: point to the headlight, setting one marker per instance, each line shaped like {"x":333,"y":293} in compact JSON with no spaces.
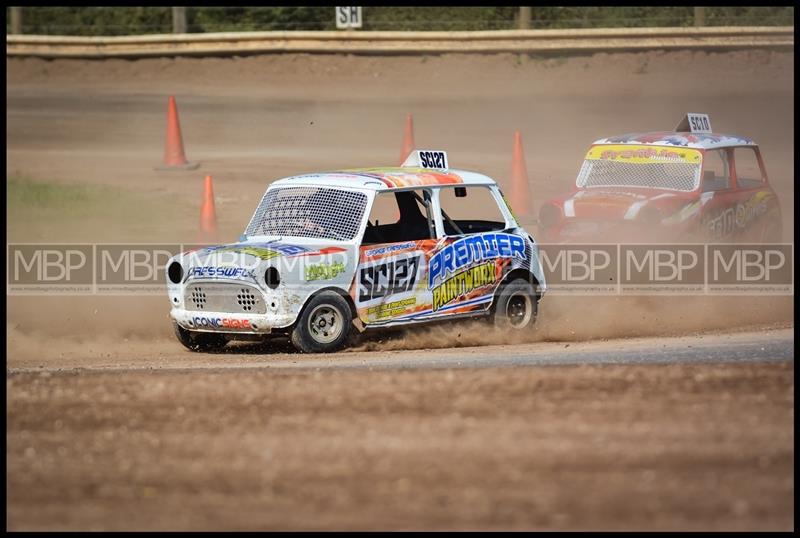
{"x":272,"y":278}
{"x":175,"y":272}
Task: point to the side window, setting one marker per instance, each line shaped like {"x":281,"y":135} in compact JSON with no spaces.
{"x":716,"y":170}
{"x":468,"y":210}
{"x":400,"y":216}
{"x":748,"y":173}
{"x":384,"y":209}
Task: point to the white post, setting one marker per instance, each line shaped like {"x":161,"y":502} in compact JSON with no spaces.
{"x":524,"y":18}
{"x":179,"y":20}
{"x":16,"y":20}
{"x":699,"y":16}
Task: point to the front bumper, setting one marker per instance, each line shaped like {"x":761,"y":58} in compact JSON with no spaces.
{"x":227,"y":322}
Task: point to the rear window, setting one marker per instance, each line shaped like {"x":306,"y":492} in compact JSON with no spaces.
{"x":627,"y":165}
{"x":313,"y":212}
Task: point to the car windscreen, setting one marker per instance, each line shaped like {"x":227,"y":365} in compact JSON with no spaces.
{"x":641,"y":166}
{"x":313,"y":212}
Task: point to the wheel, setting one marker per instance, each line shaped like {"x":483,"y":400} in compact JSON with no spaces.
{"x":199,"y":341}
{"x":324,"y":325}
{"x":516,"y":305}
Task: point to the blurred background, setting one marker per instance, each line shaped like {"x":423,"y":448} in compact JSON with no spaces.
{"x":85,"y":21}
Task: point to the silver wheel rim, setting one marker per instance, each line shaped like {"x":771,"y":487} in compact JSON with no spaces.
{"x":325,"y":323}
{"x":519,"y":310}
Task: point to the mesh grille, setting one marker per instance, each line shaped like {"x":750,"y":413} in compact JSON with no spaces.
{"x":198,"y":298}
{"x":678,"y":176}
{"x":224,"y":297}
{"x":315,"y":212}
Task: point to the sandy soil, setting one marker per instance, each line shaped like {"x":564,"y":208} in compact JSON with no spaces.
{"x":251,"y":120}
{"x":614,"y":447}
{"x":680,"y":447}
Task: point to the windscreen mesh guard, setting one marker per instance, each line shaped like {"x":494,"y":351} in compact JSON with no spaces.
{"x":677,"y":176}
{"x":314,"y":212}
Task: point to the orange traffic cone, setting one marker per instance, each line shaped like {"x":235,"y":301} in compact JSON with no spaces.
{"x":174,"y":157}
{"x":408,"y":139}
{"x":208,"y":215}
{"x":520,"y":190}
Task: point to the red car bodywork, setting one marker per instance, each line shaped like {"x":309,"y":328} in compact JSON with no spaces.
{"x":710,"y":202}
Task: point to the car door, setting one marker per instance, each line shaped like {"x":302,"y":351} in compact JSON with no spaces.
{"x":474,"y":251}
{"x":399,"y":237}
{"x":718,"y":210}
{"x":757,"y":214}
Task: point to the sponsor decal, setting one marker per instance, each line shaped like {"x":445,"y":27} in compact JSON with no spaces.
{"x":264,"y":251}
{"x":324,"y":271}
{"x":320,"y":252}
{"x":722,"y":224}
{"x":390,"y":248}
{"x":463,"y":283}
{"x":643,"y":154}
{"x":410,"y":177}
{"x":221,"y":323}
{"x":752,"y":208}
{"x":228,"y":272}
{"x":473,"y":249}
{"x":391,"y":309}
{"x":728,"y":220}
{"x":397,"y":275}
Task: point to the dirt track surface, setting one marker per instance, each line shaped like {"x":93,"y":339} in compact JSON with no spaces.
{"x":402,"y":351}
{"x":269,"y":441}
{"x":583,"y":447}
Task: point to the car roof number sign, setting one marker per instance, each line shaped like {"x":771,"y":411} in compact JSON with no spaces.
{"x":699,"y":123}
{"x":425,"y":158}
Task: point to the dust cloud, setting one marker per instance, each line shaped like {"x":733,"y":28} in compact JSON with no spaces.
{"x":252,"y":120}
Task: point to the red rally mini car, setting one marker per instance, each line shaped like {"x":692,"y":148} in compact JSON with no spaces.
{"x":685,"y":185}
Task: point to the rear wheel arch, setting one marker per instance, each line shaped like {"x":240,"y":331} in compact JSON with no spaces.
{"x":514,"y":274}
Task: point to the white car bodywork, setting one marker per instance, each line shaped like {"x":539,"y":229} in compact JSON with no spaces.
{"x":225,"y":288}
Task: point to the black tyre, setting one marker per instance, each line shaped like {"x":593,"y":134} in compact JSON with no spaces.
{"x":516,"y":305}
{"x":324,"y":325}
{"x":199,"y":341}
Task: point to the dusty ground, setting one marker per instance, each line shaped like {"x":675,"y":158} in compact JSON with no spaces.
{"x":587,"y":447}
{"x":251,"y":120}
{"x":614,"y":447}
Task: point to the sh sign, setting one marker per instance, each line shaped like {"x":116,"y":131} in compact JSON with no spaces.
{"x":348,"y":17}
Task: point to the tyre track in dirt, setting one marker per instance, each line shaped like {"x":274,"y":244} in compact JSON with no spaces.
{"x":752,"y":346}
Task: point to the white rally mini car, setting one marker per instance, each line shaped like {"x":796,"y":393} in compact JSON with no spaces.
{"x":326,"y":254}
